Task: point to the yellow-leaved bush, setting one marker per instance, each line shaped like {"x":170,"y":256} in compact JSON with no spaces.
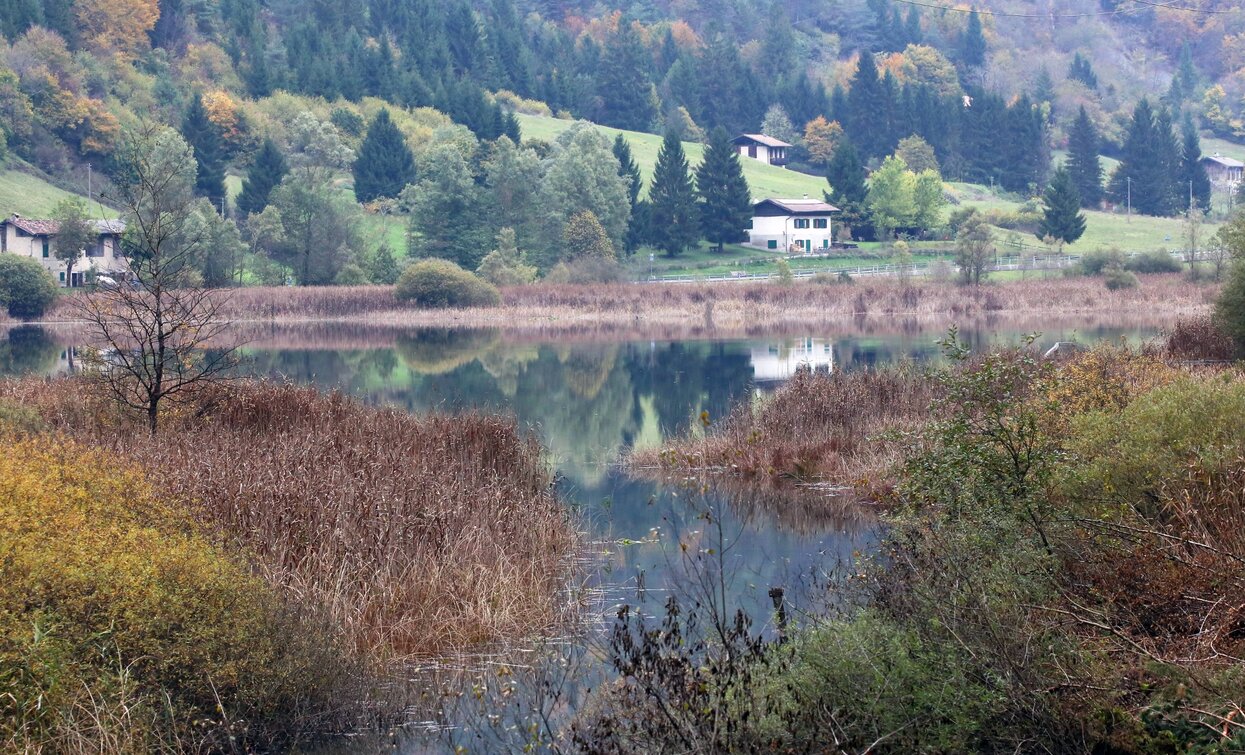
{"x":123,"y":627}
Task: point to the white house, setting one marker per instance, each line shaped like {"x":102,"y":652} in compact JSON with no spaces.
{"x":800,"y":226}
{"x":1224,"y":171}
{"x":767,"y":149}
{"x":34,"y":239}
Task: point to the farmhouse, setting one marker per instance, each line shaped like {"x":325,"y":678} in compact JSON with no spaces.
{"x":767,"y":149}
{"x":35,"y":239}
{"x":1222,"y":170}
{"x":792,"y":225}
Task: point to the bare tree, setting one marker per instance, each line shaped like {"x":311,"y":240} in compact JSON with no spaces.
{"x":154,"y":331}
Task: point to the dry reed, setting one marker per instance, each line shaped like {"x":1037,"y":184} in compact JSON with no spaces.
{"x":838,"y":428}
{"x":418,"y":535}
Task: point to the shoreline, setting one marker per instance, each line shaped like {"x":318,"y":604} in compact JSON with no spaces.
{"x":712,"y":310}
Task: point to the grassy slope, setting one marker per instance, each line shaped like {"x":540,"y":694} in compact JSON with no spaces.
{"x":765,"y":180}
{"x":33,"y":197}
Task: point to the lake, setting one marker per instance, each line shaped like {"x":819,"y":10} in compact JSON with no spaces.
{"x":591,"y":400}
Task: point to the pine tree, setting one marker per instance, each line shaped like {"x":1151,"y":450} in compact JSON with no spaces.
{"x":1141,"y":170}
{"x":1167,"y":150}
{"x":1083,"y":165}
{"x":630,"y":172}
{"x":973,"y":43}
{"x":865,"y":99}
{"x":624,"y":86}
{"x":265,"y":174}
{"x":1062,"y":218}
{"x":1082,"y":71}
{"x":204,"y":138}
{"x":674,"y":223}
{"x":848,"y":190}
{"x":1186,"y":73}
{"x":1193,"y":178}
{"x":725,"y":199}
{"x":385,"y":165}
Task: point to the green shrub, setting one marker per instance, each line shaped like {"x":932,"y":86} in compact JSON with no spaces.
{"x":438,"y":283}
{"x":25,"y":287}
{"x":351,"y":274}
{"x":116,"y":607}
{"x":1096,"y":261}
{"x":1117,"y":278}
{"x":1128,"y":456}
{"x":586,"y":270}
{"x":1153,"y":262}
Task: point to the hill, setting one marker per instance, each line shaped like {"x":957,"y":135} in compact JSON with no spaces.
{"x":764,"y":180}
{"x":25,"y":193}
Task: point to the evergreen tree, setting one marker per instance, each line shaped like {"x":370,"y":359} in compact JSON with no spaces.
{"x":1186,"y":72}
{"x":1193,"y":178}
{"x":912,"y":27}
{"x":674,"y":223}
{"x":385,"y":165}
{"x":1142,"y":173}
{"x":1167,"y":151}
{"x":1044,"y":89}
{"x":1083,"y":165}
{"x":848,"y":190}
{"x":630,"y":172}
{"x":1062,"y":218}
{"x":383,"y":268}
{"x":204,"y":138}
{"x":1082,"y":71}
{"x":623,"y":86}
{"x":973,"y":43}
{"x":865,"y":99}
{"x":725,"y":199}
{"x":265,"y":174}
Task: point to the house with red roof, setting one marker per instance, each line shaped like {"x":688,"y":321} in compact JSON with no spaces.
{"x":36,"y":239}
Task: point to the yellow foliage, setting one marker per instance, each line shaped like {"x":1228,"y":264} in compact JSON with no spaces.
{"x":222,"y":110}
{"x":117,"y":25}
{"x":1105,"y":379}
{"x":821,"y":138}
{"x":101,"y":580}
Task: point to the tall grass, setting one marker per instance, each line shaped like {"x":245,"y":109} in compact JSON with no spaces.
{"x":828,"y":427}
{"x":418,"y":535}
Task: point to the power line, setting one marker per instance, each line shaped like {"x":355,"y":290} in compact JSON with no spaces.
{"x":1045,"y":16}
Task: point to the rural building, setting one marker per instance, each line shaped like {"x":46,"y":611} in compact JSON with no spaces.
{"x":767,"y":149}
{"x":1223,"y":171}
{"x":798,"y":226}
{"x":34,"y":239}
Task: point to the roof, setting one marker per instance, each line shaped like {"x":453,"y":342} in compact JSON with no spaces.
{"x":1226,"y":162}
{"x":768,"y":141}
{"x":800,"y":206}
{"x":50,"y":227}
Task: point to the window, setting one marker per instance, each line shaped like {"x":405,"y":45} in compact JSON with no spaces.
{"x":801,"y":222}
{"x":95,"y":248}
{"x":752,"y":151}
{"x":62,"y":276}
{"x":820,"y":223}
{"x":771,"y":244}
{"x":45,"y":250}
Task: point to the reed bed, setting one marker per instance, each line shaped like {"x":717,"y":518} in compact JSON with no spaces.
{"x":419,"y":535}
{"x":714,"y":306}
{"x":839,"y":428}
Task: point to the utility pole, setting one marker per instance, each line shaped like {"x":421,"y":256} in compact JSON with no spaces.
{"x":1130,"y":199}
{"x":1190,"y":196}
{"x":89,"y":198}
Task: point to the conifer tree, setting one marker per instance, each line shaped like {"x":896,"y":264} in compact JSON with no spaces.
{"x":385,"y":165}
{"x":204,"y":139}
{"x":1167,"y":150}
{"x":1084,"y":165}
{"x":630,"y":172}
{"x":973,"y":44}
{"x":1082,"y":71}
{"x":675,"y":225}
{"x":1141,"y":172}
{"x":864,"y":102}
{"x":265,"y":174}
{"x":725,"y":199}
{"x":624,"y":86}
{"x":1062,"y":218}
{"x":848,"y":190}
{"x":1193,"y":178}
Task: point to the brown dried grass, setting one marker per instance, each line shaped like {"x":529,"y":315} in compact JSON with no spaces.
{"x":841,"y":428}
{"x":418,"y":535}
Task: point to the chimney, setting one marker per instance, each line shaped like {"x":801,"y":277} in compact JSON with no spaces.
{"x":806,"y":196}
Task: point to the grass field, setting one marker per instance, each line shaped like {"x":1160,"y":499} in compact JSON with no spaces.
{"x":765,"y":180}
{"x":29,"y":195}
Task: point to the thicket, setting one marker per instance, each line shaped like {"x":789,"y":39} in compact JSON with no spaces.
{"x":1063,"y":545}
{"x":439,"y":283}
{"x":26,"y":289}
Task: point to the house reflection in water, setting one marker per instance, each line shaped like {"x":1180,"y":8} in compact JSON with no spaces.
{"x":776,"y":362}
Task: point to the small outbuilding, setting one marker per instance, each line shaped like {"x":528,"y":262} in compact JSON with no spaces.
{"x":1224,"y":171}
{"x":797,"y":226}
{"x":767,"y":149}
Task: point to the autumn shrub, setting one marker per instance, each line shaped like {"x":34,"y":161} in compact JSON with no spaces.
{"x":1117,"y":279}
{"x":26,"y":289}
{"x":1157,"y":261}
{"x":124,"y":628}
{"x":1198,"y":338}
{"x":1096,"y":261}
{"x":440,"y":284}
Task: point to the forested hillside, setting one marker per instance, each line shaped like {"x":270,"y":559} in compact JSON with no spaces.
{"x":991,"y":91}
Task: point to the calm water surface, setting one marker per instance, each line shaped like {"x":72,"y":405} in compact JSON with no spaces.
{"x":590,"y":402}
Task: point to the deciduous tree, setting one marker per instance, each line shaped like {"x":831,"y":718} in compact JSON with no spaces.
{"x":74,"y":233}
{"x":974,"y":246}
